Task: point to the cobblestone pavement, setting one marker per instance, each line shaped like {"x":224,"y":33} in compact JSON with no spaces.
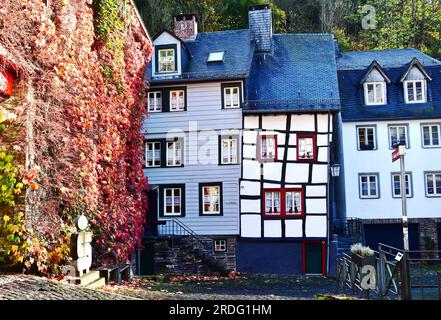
{"x":22,"y":287}
{"x":251,"y":287}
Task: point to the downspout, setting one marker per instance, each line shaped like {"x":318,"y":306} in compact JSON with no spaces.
{"x":328,"y":244}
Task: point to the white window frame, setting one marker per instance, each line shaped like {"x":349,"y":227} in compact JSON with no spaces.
{"x":365,"y":129}
{"x":406,"y":133}
{"x":175,"y":160}
{"x":234,"y":101}
{"x":173,"y":62}
{"x":430,"y":126}
{"x":423,"y":88}
{"x":153,"y":153}
{"x":232,"y":155}
{"x":383,"y":93}
{"x":377,"y":185}
{"x":173,"y":196}
{"x":180,"y":103}
{"x":157,"y":101}
{"x":426,"y":176}
{"x":212,"y":201}
{"x":409,"y":192}
{"x":221,"y":244}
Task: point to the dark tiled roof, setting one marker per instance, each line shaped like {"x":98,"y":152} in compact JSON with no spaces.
{"x":238,"y":49}
{"x":356,"y":60}
{"x":352,"y":66}
{"x":299,"y":75}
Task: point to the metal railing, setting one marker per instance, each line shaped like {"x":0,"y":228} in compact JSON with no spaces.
{"x":350,"y":227}
{"x":397,"y":274}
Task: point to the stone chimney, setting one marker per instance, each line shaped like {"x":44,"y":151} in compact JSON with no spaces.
{"x":186,"y":26}
{"x":261,"y":26}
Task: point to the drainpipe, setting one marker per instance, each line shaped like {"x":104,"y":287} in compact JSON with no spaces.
{"x":328,"y":243}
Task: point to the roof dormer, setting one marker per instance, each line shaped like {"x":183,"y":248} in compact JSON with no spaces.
{"x":169,"y":56}
{"x":415,"y":83}
{"x":375,"y":83}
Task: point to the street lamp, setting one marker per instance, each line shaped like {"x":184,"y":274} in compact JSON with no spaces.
{"x":335,"y":170}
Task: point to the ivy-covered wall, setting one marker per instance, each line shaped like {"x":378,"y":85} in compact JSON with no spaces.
{"x":73,"y":137}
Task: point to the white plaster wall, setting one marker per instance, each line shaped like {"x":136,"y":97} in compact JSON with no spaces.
{"x":272,"y":228}
{"x":303,"y":122}
{"x":316,"y":226}
{"x":418,"y":160}
{"x":294,"y":228}
{"x":297,"y":172}
{"x":315,"y":206}
{"x":250,"y":206}
{"x":250,"y":226}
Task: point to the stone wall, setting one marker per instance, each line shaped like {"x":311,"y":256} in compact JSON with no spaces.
{"x":184,"y":256}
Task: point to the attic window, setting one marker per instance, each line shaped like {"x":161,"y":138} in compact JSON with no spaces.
{"x":216,"y":56}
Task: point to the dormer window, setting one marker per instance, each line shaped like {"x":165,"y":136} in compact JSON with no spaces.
{"x":375,"y":93}
{"x":415,"y":83}
{"x":166,"y":60}
{"x":415,"y":91}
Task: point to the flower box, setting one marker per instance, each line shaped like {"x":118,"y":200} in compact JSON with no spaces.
{"x":361,"y":261}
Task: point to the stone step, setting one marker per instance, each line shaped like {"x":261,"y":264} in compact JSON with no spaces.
{"x":100,"y":282}
{"x":86,"y":279}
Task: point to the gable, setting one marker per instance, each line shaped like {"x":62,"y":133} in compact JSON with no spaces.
{"x":165,"y":38}
{"x":375,"y":74}
{"x":416,"y":70}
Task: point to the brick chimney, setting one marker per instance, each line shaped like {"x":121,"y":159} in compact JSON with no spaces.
{"x":261,"y":26}
{"x":186,"y":26}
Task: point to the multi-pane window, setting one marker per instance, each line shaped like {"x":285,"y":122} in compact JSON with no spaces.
{"x":366,"y":138}
{"x":431,"y":135}
{"x":231,"y":97}
{"x":286,"y":203}
{"x":174,"y":153}
{"x":166,"y":60}
{"x":305,"y":147}
{"x":396,"y":185}
{"x":415,"y":91}
{"x":220,"y":245}
{"x":375,"y":93}
{"x":268,"y":147}
{"x":155,"y":101}
{"x":153,"y":154}
{"x":211,"y":200}
{"x":293,"y":202}
{"x":272,"y":203}
{"x":369,"y":186}
{"x":229,"y":150}
{"x":177,"y":100}
{"x":433,"y":184}
{"x":398,"y":134}
{"x":172,"y":202}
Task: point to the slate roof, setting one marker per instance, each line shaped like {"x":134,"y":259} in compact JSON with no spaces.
{"x":238,"y":49}
{"x":352,"y":67}
{"x":299,"y":75}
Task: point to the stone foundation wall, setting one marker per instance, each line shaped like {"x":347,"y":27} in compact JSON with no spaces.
{"x":179,"y":256}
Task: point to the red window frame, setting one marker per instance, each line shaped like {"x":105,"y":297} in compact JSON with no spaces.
{"x":324,"y":256}
{"x":314,"y":147}
{"x":259,"y":147}
{"x":9,"y":79}
{"x":282,"y":213}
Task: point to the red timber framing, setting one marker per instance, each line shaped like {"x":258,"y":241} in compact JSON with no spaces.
{"x":282,"y":199}
{"x":259,"y":147}
{"x":324,"y":264}
{"x":314,"y":147}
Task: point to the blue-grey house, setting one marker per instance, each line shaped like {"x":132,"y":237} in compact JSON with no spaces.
{"x":238,"y":143}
